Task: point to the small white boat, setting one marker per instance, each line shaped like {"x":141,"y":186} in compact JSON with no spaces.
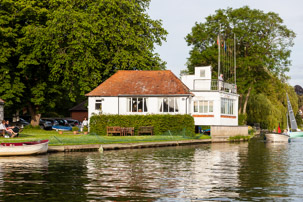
{"x":23,"y":148}
{"x":294,"y":132}
{"x":276,"y":137}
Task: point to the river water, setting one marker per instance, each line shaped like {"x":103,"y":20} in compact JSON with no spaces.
{"x":254,"y":171}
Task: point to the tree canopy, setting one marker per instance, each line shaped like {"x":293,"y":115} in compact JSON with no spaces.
{"x":263,"y":45}
{"x":53,"y":51}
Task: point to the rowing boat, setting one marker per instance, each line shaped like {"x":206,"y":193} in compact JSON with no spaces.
{"x":24,"y":148}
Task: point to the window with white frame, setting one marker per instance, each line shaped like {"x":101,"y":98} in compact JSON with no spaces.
{"x":98,"y":105}
{"x":169,"y":104}
{"x":227,"y":106}
{"x":203,"y":106}
{"x":137,"y":104}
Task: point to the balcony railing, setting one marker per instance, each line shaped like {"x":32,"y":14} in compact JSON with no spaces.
{"x":213,"y":85}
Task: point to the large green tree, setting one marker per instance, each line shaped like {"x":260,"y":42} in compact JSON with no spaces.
{"x":59,"y":48}
{"x":263,"y":45}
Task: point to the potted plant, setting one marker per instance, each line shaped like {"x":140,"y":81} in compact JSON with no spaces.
{"x":85,"y":130}
{"x":75,"y":130}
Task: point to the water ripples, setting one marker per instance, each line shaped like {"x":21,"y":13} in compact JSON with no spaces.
{"x":254,"y":171}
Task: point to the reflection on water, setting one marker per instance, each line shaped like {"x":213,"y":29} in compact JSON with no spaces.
{"x":252,"y":171}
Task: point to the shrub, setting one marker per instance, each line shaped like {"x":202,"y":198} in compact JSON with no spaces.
{"x":85,"y":129}
{"x":31,"y":127}
{"x":242,"y":119}
{"x":75,"y":128}
{"x":161,"y":123}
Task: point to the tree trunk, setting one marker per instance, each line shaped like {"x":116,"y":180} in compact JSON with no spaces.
{"x":240,"y":104}
{"x":246,"y":100}
{"x":35,"y":117}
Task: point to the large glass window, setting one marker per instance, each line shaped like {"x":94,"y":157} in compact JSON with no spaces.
{"x":203,"y":106}
{"x":168,"y":105}
{"x":136,"y":104}
{"x":227,"y":106}
{"x":196,"y":106}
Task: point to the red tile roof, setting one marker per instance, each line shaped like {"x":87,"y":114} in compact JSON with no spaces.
{"x":1,"y":101}
{"x":136,"y":82}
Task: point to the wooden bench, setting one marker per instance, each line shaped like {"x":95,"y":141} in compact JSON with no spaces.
{"x":114,"y":130}
{"x":145,"y":130}
{"x":128,"y":130}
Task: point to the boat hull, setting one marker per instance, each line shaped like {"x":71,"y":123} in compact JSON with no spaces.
{"x":24,"y":148}
{"x":276,"y":137}
{"x":296,"y":134}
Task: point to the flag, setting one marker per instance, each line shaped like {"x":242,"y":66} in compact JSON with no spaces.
{"x":218,"y":40}
{"x":224,"y":46}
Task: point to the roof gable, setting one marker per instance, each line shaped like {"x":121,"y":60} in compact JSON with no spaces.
{"x":134,"y":82}
{"x":80,"y":107}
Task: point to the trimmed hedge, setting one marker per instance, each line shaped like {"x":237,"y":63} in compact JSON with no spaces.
{"x":161,"y":123}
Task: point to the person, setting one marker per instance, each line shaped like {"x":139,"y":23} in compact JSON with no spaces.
{"x":285,"y":132}
{"x":84,"y":123}
{"x":279,"y":129}
{"x":221,"y":77}
{"x":7,"y":125}
{"x":2,"y":128}
{"x":8,"y":130}
{"x":220,"y":81}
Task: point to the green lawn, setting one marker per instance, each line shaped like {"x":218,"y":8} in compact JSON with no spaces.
{"x":68,"y":138}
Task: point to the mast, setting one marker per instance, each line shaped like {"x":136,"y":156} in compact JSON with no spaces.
{"x":235,"y":59}
{"x":219,"y":44}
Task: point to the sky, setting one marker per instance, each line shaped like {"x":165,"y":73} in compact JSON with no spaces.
{"x":179,"y":16}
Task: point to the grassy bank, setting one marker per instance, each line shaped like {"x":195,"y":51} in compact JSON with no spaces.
{"x":68,"y":138}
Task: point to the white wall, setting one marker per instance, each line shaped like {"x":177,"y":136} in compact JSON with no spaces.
{"x":194,"y":81}
{"x":118,"y":105}
{"x":109,"y":105}
{"x":231,"y":120}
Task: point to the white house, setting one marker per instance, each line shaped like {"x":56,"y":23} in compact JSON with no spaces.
{"x":214,"y":102}
{"x":140,"y":92}
{"x":210,"y":102}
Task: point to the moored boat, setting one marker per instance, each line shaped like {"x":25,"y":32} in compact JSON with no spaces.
{"x":276,"y":137}
{"x":296,"y":134}
{"x":23,"y":148}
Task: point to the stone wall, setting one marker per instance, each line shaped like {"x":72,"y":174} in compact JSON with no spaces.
{"x":222,"y":133}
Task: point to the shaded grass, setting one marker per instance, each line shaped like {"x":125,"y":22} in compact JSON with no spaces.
{"x":239,"y":138}
{"x":68,"y":138}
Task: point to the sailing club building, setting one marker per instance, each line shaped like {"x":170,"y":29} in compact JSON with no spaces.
{"x":127,"y":92}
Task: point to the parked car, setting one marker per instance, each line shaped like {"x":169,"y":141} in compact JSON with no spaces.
{"x":45,"y":124}
{"x":73,"y":122}
{"x":53,"y":121}
{"x":62,"y":122}
{"x":59,"y":124}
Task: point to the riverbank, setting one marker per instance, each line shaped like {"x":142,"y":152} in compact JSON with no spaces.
{"x":69,"y":142}
{"x":96,"y":147}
